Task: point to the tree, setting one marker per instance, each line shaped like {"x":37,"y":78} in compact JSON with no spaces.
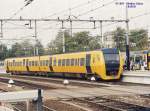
{"x":40,"y":47}
{"x":24,"y":48}
{"x":139,"y":39}
{"x":3,"y":52}
{"x":79,"y":42}
{"x":119,"y":38}
{"x":56,"y":46}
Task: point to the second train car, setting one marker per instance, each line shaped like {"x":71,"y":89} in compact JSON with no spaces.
{"x":106,"y":64}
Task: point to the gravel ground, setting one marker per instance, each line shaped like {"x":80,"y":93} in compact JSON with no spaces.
{"x":133,"y":99}
{"x":60,"y":106}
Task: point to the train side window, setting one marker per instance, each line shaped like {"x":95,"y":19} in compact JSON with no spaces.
{"x":72,"y":62}
{"x":54,"y":62}
{"x":13,"y":62}
{"x":59,"y":62}
{"x":21,"y":64}
{"x":24,"y":62}
{"x":40,"y":63}
{"x":44,"y":63}
{"x":47,"y":63}
{"x":76,"y":62}
{"x":36,"y":63}
{"x":32,"y":63}
{"x":63,"y":62}
{"x":67,"y":62}
{"x":50,"y":61}
{"x":82,"y":62}
{"x":27,"y":61}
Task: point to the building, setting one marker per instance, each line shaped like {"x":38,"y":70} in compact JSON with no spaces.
{"x":108,"y":40}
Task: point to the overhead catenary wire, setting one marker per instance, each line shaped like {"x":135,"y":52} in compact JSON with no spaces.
{"x":72,"y":8}
{"x":92,"y":10}
{"x":27,"y":2}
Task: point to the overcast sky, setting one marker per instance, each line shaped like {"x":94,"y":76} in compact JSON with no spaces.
{"x":60,"y":8}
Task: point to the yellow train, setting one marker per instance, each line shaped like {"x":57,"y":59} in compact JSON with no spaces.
{"x":148,"y":60}
{"x":106,"y":64}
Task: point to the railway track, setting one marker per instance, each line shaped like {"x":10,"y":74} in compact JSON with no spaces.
{"x":96,"y":103}
{"x":73,"y":82}
{"x":27,"y":85}
{"x":60,"y":81}
{"x":105,"y":104}
{"x":45,"y":83}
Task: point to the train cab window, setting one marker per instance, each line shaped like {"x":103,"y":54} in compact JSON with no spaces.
{"x":82,"y":62}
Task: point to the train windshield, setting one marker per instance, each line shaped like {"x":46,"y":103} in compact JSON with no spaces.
{"x":111,"y":57}
{"x":112,"y":61}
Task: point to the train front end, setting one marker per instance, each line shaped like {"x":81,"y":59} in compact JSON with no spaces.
{"x":113,"y":64}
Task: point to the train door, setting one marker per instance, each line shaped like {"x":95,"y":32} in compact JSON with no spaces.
{"x":88,"y":63}
{"x":27,"y":64}
{"x":50,"y":64}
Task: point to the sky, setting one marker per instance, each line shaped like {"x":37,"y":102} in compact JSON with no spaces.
{"x":81,"y":9}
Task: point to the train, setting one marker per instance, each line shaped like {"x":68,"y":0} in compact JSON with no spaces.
{"x":148,"y":60}
{"x":105,"y":64}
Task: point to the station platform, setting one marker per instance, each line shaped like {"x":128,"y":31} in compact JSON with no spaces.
{"x":141,"y":77}
{"x":2,"y":71}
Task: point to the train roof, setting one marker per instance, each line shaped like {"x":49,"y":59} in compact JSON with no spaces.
{"x":105,"y":50}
